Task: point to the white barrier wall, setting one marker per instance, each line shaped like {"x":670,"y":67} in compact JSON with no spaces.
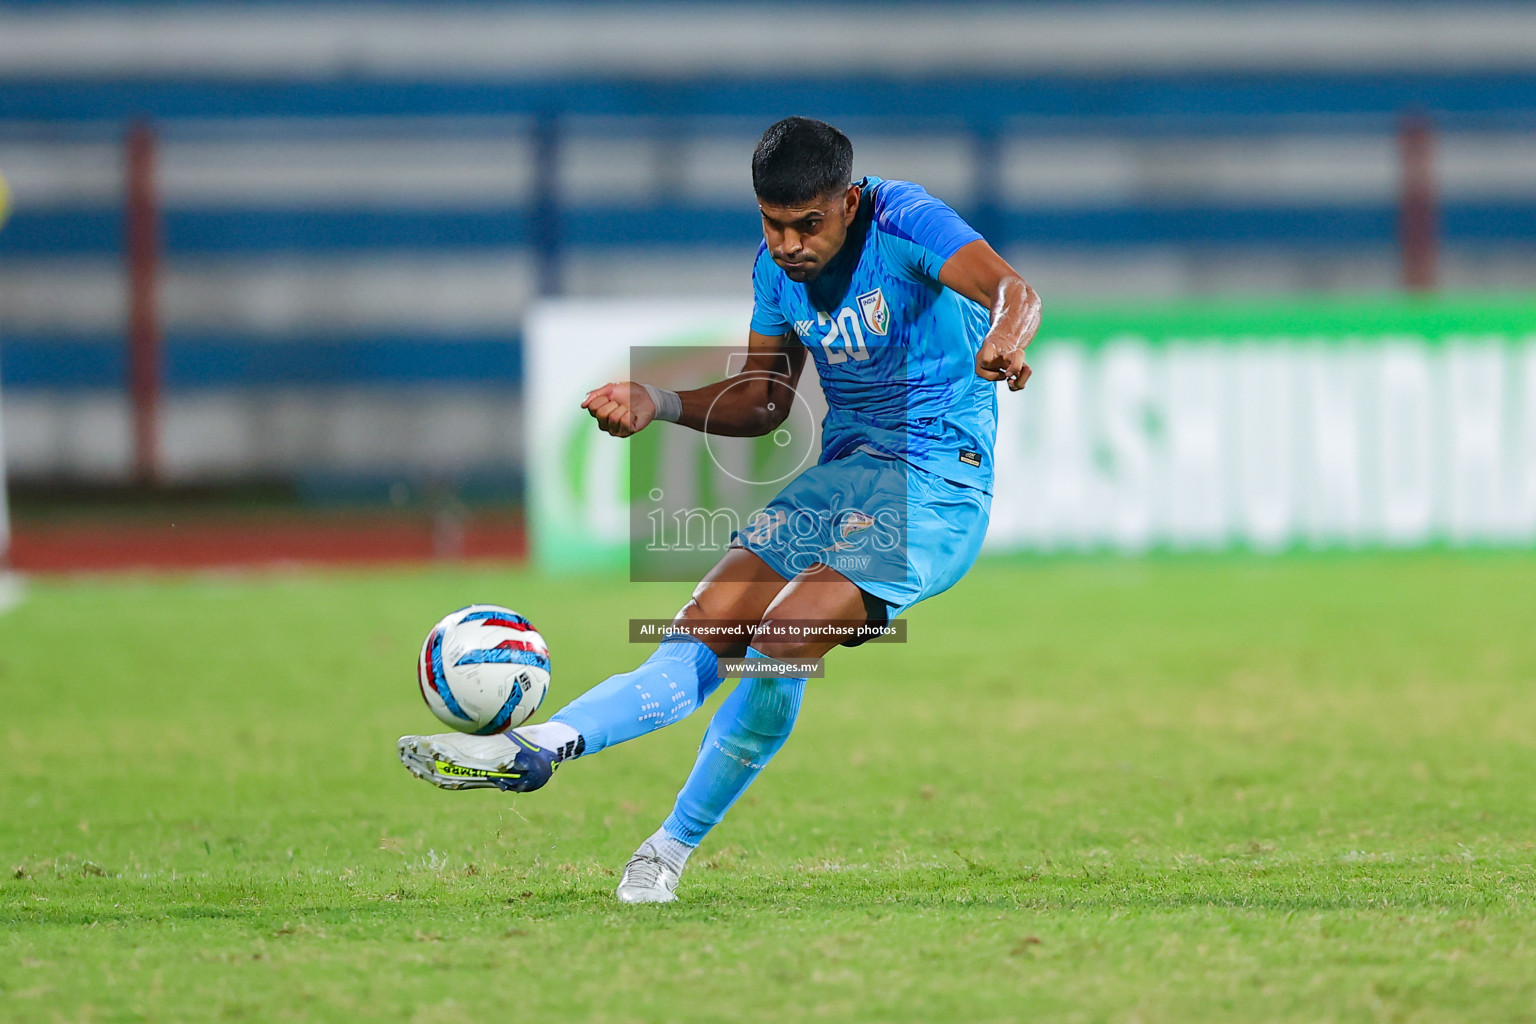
{"x":1369,"y":441}
{"x":216,"y":436}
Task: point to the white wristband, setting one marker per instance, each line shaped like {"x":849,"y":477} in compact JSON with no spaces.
{"x":669,"y":407}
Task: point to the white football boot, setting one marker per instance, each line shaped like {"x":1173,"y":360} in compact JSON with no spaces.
{"x":456,"y":760}
{"x":647,"y":878}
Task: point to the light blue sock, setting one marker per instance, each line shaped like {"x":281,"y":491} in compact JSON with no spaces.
{"x":745,"y":733}
{"x":672,"y":683}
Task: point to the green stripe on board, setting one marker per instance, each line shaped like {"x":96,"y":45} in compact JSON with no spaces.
{"x":1430,"y":318}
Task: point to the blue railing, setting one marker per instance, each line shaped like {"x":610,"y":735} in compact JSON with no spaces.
{"x":1064,"y":103}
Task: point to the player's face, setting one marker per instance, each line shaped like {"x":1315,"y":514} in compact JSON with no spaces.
{"x":803,"y":239}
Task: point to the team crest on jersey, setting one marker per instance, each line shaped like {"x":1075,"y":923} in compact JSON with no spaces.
{"x":877,"y":315}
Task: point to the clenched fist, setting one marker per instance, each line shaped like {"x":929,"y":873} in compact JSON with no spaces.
{"x":994,"y":364}
{"x":621,"y":409}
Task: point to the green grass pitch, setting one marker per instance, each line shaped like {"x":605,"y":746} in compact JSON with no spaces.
{"x":1178,"y":789}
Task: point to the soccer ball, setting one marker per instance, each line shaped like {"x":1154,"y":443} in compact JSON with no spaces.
{"x":483,"y":669}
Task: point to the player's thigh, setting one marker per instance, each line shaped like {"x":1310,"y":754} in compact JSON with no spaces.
{"x":820,"y":596}
{"x":729,"y":602}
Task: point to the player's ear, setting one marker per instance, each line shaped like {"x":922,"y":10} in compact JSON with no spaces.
{"x":851,"y":201}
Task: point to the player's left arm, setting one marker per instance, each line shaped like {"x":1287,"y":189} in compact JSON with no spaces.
{"x":981,"y":275}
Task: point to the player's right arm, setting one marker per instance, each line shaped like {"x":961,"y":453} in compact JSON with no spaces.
{"x":754,"y":402}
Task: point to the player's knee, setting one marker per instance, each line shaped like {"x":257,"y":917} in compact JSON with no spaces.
{"x":690,"y":613}
{"x":710,"y":625}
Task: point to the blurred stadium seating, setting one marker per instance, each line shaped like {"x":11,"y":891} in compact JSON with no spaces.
{"x":360,"y":201}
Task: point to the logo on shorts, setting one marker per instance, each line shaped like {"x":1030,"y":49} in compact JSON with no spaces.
{"x":877,"y":315}
{"x":971,"y":458}
{"x":849,"y":525}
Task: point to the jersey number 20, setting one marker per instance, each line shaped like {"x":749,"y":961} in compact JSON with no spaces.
{"x":847,"y":329}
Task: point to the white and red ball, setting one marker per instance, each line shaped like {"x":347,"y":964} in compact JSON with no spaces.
{"x":483,"y":669}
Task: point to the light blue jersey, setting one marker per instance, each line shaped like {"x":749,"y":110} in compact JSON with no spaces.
{"x":895,"y":350}
{"x":900,"y":500}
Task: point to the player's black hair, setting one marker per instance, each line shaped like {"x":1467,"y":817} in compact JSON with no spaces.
{"x":800,"y":159}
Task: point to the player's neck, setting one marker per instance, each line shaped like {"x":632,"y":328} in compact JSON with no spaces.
{"x":835,"y":279}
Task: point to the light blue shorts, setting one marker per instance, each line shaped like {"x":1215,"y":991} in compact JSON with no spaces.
{"x":901,"y":534}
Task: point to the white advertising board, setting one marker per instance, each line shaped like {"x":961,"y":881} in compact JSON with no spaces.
{"x":1354,"y":433}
